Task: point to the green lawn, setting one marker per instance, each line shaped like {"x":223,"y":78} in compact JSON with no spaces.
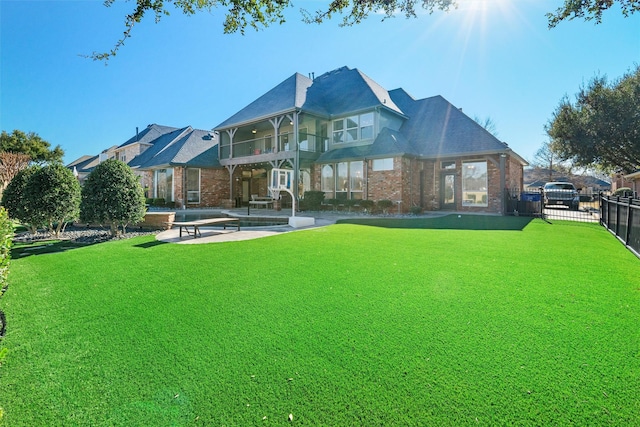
{"x":534,"y":324}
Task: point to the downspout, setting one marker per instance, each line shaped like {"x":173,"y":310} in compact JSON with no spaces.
{"x":503,"y":182}
{"x":296,"y":169}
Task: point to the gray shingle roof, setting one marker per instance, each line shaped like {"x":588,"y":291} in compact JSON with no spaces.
{"x":149,"y":134}
{"x":345,"y":91}
{"x":287,"y":96}
{"x":436,"y":128}
{"x":335,"y":93}
{"x":432,"y":127}
{"x":182,"y":147}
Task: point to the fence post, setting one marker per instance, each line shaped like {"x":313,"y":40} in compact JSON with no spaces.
{"x":629,"y":218}
{"x":617,"y":215}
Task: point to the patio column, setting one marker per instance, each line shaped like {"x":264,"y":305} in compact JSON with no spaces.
{"x":275,"y":122}
{"x":231,"y":133}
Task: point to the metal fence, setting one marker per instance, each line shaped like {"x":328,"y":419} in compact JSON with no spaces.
{"x":531,"y":203}
{"x":621,"y":216}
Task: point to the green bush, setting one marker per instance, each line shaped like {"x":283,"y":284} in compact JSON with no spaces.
{"x":415,"y":210}
{"x":623,"y":192}
{"x":112,"y":195}
{"x":158,"y":201}
{"x":350,"y":203}
{"x":367,"y":205}
{"x":6,"y":239}
{"x":312,"y":200}
{"x":43,"y":196}
{"x":384,"y":205}
{"x":18,"y":203}
{"x":333,"y":202}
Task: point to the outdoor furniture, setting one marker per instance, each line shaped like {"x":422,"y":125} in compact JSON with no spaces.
{"x":261,"y":201}
{"x":195,"y":225}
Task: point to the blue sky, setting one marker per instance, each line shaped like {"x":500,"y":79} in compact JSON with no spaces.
{"x":492,"y":58}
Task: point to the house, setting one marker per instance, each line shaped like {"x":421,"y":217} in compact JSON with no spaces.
{"x":349,"y":137}
{"x":179,"y":165}
{"x":632,"y":181}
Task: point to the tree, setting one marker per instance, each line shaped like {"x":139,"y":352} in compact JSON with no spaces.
{"x":17,"y":202}
{"x":590,"y":10}
{"x":46,"y":196}
{"x":547,"y":159}
{"x":488,"y":124}
{"x":55,"y":195}
{"x":112,"y":195}
{"x":262,"y":13}
{"x":32,"y":145}
{"x":10,"y":165}
{"x":602,"y":128}
{"x":257,"y":14}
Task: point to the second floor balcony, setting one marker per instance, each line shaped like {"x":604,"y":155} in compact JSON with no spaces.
{"x":281,"y":147}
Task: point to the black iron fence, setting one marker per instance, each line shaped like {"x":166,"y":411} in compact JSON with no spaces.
{"x":621,"y":216}
{"x":533,"y":203}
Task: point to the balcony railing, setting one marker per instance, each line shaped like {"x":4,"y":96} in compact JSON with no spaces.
{"x":268,"y":145}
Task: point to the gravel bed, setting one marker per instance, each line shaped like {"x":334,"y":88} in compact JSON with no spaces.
{"x":83,"y":234}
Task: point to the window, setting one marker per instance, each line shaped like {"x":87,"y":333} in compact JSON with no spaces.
{"x":353,"y":128}
{"x":193,"y":185}
{"x":383,"y":164}
{"x":342,"y":180}
{"x":355,"y":179}
{"x":366,"y":126}
{"x":448,"y":165}
{"x":338,"y":131}
{"x":328,"y":181}
{"x":348,"y":182}
{"x":164,"y":184}
{"x":474,"y":184}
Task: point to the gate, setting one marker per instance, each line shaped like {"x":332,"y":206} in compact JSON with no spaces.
{"x":531,"y":203}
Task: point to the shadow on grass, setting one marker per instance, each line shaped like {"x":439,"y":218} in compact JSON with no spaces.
{"x":148,"y":245}
{"x":448,"y":222}
{"x":21,"y":250}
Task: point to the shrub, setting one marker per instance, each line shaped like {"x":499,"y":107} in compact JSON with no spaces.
{"x":6,"y":239}
{"x":333,"y":202}
{"x":415,"y":210}
{"x":384,"y":205}
{"x":623,"y":192}
{"x":43,"y":196}
{"x":55,"y":194}
{"x":367,"y":205}
{"x":350,"y":203}
{"x":112,"y":195}
{"x":18,"y":204}
{"x":312,"y":200}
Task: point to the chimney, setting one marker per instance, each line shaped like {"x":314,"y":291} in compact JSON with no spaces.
{"x":137,"y":139}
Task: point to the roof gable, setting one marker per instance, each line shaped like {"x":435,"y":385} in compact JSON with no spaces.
{"x":288,"y":95}
{"x":186,"y":147}
{"x":149,"y":134}
{"x":436,"y":128}
{"x":343,"y":91}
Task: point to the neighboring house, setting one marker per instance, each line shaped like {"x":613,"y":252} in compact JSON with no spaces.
{"x":632,"y":181}
{"x":179,"y":165}
{"x":349,"y":137}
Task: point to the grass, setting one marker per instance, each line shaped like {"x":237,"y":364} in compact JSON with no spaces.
{"x":343,"y":325}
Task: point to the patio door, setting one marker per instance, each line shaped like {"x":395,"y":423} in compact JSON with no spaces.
{"x":448,"y":191}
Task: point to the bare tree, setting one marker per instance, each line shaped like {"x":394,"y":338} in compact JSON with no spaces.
{"x":10,"y":165}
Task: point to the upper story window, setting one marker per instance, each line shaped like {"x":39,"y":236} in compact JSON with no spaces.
{"x":353,"y":128}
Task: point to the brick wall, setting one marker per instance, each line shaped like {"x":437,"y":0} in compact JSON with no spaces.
{"x":404,"y":182}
